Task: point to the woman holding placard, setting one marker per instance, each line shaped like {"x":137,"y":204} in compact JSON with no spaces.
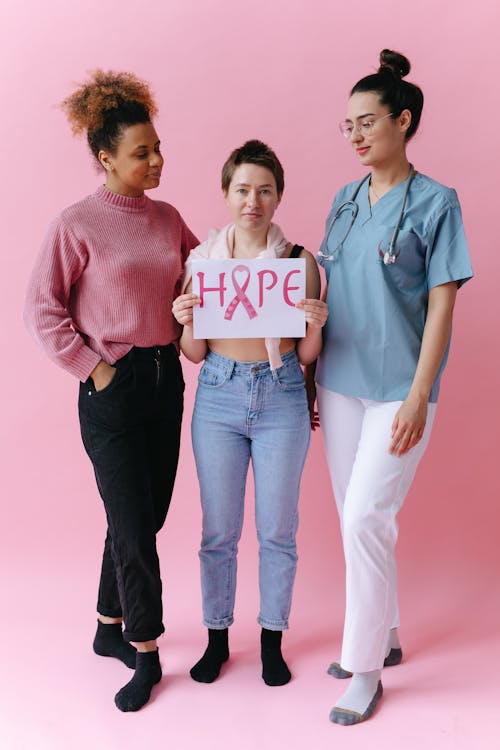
{"x":394,"y":254}
{"x":250,"y":404}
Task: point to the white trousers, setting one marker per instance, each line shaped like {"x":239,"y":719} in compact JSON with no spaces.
{"x":370,"y":486}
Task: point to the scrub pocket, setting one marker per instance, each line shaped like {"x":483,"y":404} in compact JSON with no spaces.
{"x":408,"y":273}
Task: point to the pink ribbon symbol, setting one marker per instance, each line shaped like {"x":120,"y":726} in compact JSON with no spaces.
{"x":240,"y":295}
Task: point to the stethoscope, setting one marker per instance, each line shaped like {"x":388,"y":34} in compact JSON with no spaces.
{"x":390,"y":255}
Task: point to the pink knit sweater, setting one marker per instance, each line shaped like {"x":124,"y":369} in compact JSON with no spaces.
{"x":105,"y":280}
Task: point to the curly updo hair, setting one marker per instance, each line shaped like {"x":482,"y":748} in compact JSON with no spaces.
{"x":105,"y":105}
{"x":397,"y":94}
{"x":253,"y":152}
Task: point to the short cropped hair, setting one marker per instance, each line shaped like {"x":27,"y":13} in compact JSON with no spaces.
{"x":253,"y":152}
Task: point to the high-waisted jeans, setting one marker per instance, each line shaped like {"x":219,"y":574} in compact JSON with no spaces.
{"x":245,"y":410}
{"x":131,"y":432}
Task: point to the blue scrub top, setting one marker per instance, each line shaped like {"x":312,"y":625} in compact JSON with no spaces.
{"x":371,"y":341}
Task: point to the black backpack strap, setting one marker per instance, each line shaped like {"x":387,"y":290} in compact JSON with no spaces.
{"x":296,"y":251}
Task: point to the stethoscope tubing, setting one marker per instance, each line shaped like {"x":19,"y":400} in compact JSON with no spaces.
{"x":389,"y":256}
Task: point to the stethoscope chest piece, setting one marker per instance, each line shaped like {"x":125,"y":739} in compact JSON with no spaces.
{"x":389,"y":256}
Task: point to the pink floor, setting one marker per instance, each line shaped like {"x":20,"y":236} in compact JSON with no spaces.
{"x":57,"y":695}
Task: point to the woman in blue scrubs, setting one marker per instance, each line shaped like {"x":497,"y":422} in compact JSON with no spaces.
{"x":394,"y":255}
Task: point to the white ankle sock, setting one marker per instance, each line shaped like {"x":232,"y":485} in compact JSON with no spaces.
{"x":360,"y":692}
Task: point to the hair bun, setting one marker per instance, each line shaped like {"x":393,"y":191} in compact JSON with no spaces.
{"x":394,"y":62}
{"x":105,"y":91}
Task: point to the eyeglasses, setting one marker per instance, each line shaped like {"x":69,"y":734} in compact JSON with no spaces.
{"x":365,"y":127}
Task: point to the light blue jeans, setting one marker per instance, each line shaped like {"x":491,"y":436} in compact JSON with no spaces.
{"x":245,"y":410}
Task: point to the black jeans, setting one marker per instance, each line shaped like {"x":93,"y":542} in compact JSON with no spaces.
{"x":131,"y":432}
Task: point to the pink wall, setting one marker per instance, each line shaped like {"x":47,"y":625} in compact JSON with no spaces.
{"x":224,"y":71}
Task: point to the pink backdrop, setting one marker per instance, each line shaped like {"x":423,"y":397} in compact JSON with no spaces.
{"x":224,"y":71}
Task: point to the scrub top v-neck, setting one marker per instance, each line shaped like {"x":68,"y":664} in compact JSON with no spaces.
{"x":377,"y":312}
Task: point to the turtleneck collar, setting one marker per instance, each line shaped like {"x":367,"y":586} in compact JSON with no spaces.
{"x":122,"y":202}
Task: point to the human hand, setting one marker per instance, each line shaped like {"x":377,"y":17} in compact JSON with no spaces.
{"x":309,"y":372}
{"x":313,"y":417}
{"x":316,"y":311}
{"x":408,"y":425}
{"x":102,"y":375}
{"x":182,"y":308}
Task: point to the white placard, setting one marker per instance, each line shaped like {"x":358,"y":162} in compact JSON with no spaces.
{"x":249,"y":298}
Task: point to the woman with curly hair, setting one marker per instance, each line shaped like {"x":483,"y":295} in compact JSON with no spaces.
{"x":99,"y":303}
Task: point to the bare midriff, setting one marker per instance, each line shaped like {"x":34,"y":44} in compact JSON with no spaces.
{"x":247,"y":350}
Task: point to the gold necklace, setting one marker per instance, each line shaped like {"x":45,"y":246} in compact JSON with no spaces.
{"x":372,"y":186}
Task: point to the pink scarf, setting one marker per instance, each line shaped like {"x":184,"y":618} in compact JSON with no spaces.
{"x":219,"y":245}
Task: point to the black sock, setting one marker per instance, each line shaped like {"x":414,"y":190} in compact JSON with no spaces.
{"x":274,"y":668}
{"x":109,"y":641}
{"x":216,"y":653}
{"x":135,"y":694}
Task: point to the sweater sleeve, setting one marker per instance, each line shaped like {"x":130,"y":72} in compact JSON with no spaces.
{"x":188,"y":242}
{"x":59,"y":265}
{"x":198,"y":252}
